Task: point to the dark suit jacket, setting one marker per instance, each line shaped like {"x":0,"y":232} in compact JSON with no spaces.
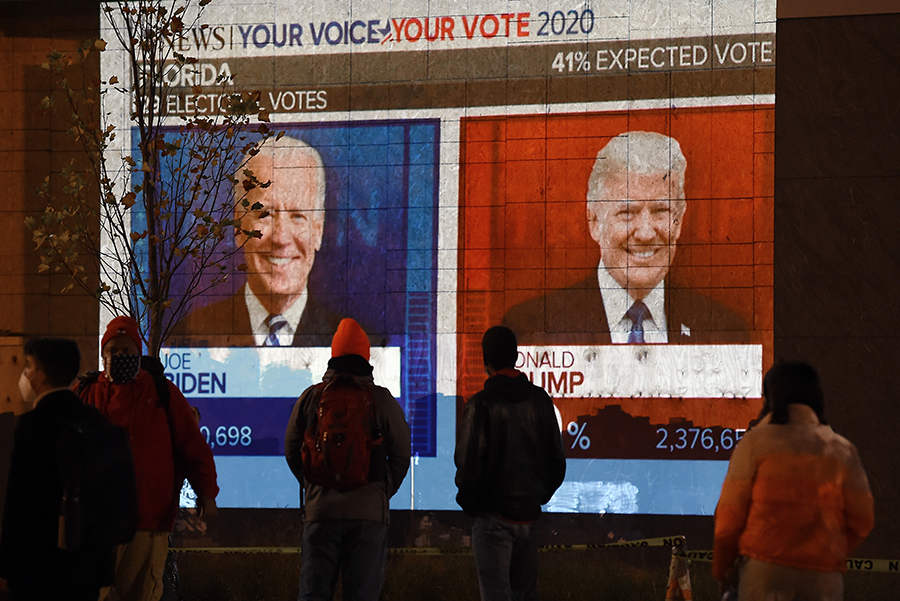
{"x":8,"y":422}
{"x":29,"y":557}
{"x":576,"y":315}
{"x":227,"y":323}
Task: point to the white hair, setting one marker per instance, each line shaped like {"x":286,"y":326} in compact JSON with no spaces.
{"x":287,"y":153}
{"x":639,"y":152}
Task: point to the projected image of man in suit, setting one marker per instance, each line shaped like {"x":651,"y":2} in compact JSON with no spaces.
{"x":635,"y":207}
{"x":291,"y":223}
{"x":275,"y":307}
{"x":635,"y":212}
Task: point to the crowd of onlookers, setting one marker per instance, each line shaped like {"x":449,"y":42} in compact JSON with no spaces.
{"x":98,"y":463}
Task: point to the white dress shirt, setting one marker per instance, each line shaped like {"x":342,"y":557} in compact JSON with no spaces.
{"x":259,"y":318}
{"x":617,"y":301}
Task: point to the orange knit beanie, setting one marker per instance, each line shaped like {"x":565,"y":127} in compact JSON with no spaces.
{"x":350,"y":339}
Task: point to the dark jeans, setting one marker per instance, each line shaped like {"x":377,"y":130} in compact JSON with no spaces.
{"x":355,"y":548}
{"x":506,"y":557}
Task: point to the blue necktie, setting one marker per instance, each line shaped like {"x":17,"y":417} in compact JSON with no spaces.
{"x":276,"y":322}
{"x":637,"y":313}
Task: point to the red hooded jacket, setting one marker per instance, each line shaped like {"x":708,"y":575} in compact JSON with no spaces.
{"x":167,"y":447}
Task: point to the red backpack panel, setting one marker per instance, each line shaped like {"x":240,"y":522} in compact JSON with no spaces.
{"x":337,"y":445}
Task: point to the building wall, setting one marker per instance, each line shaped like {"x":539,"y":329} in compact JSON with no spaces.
{"x":837,"y":257}
{"x":33,"y":144}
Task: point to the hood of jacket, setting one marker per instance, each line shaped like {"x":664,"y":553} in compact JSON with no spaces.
{"x":514,"y":389}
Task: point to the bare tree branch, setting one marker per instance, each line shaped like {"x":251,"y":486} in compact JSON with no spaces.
{"x":125,"y":227}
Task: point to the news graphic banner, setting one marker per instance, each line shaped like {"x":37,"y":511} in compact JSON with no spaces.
{"x":457,"y":146}
{"x":245,"y":395}
{"x":726,"y":374}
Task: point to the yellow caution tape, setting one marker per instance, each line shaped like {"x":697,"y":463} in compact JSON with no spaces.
{"x":431,"y":551}
{"x":647,"y":542}
{"x":873,"y":565}
{"x":238,"y":550}
{"x":698,"y":555}
{"x":669,"y":541}
{"x":854,"y":564}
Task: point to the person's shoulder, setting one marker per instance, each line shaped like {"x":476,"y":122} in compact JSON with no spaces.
{"x":478,"y":400}
{"x":63,"y":404}
{"x":491,"y":394}
{"x":381,"y":391}
{"x":147,"y":383}
{"x":839,"y":445}
{"x":534,"y":393}
{"x":386,"y":407}
{"x":175,"y":394}
{"x":56,"y":409}
{"x":144,"y":377}
{"x":311,"y":393}
{"x":28,"y":421}
{"x":383,"y":396}
{"x":537,"y":392}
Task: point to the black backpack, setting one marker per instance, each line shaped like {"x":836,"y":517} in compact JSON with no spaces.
{"x":99,"y":504}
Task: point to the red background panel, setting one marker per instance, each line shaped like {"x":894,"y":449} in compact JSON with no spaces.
{"x":523,"y":184}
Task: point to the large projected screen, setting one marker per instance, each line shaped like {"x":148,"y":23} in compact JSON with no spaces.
{"x":597,"y":176}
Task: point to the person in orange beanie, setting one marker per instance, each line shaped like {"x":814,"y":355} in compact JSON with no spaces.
{"x":347,"y":421}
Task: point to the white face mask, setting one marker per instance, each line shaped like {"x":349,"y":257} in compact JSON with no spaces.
{"x":25,"y":388}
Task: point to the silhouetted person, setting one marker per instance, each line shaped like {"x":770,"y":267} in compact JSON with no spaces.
{"x":509,"y":461}
{"x":345,"y":526}
{"x":167,"y":447}
{"x":31,"y":560}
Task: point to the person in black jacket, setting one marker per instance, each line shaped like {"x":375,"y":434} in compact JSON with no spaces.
{"x":32,"y":566}
{"x":509,"y":461}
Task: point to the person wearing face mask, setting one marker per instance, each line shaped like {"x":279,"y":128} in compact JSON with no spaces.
{"x":32,"y":564}
{"x":165,"y":441}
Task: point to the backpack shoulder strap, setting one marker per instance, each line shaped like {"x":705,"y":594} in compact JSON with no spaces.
{"x":162,"y":390}
{"x":85,"y":381}
{"x":154,"y":367}
{"x":310,"y":408}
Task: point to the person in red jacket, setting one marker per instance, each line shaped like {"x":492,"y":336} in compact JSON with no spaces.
{"x":166,"y":444}
{"x":796,"y":500}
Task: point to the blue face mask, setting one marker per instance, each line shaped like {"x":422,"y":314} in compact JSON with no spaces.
{"x":123,"y":368}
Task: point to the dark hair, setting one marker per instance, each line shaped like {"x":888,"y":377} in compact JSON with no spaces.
{"x":499,"y":347}
{"x":792,"y":382}
{"x":58,"y":358}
